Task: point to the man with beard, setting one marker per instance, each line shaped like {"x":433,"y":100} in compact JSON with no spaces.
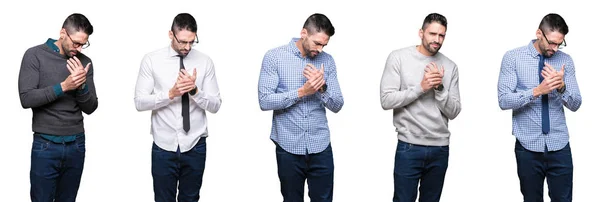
{"x":56,"y":82}
{"x":178,"y":84}
{"x":298,"y":81}
{"x":421,"y":86}
{"x":536,"y":82}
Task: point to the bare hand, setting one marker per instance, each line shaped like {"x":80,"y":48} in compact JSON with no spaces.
{"x":77,"y":76}
{"x":432,"y":77}
{"x":315,"y":79}
{"x":549,"y":72}
{"x":185,"y":83}
{"x":552,"y":80}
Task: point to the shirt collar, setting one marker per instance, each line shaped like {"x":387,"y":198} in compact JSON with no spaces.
{"x":50,"y":43}
{"x":294,"y":48}
{"x":172,"y":53}
{"x":531,"y":49}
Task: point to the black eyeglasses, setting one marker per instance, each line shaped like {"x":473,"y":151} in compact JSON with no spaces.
{"x":560,"y":46}
{"x":183,"y":43}
{"x":77,"y":44}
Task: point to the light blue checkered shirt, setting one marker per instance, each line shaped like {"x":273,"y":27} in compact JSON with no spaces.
{"x":299,"y":124}
{"x":518,"y":76}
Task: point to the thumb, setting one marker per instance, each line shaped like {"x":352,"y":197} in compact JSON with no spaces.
{"x":194,"y":72}
{"x":322,"y":67}
{"x":87,"y":67}
{"x":562,"y":69}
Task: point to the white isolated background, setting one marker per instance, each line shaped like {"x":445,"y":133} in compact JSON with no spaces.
{"x":241,"y":163}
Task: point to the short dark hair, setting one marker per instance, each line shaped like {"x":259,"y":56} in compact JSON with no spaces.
{"x":553,"y":22}
{"x":77,"y":22}
{"x":319,"y":23}
{"x":184,"y":21}
{"x":434,"y":17}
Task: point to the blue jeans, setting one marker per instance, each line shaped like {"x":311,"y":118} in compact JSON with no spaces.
{"x":316,"y":169}
{"x":170,"y":168}
{"x":424,"y":164}
{"x":555,"y":166}
{"x":56,"y":169}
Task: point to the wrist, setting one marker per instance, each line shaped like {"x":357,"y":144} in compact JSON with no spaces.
{"x":63,"y":86}
{"x":561,"y":89}
{"x":171,"y":94}
{"x":194,"y":91}
{"x":301,"y":92}
{"x":536,"y":92}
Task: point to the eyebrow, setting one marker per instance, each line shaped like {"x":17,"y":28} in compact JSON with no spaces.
{"x":319,"y":43}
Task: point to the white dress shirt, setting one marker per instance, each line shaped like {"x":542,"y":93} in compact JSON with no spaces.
{"x":158,"y":73}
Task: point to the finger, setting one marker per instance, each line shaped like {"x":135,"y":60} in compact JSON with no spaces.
{"x":549,"y":69}
{"x":78,"y":80}
{"x":435,"y":80}
{"x":433,"y":75}
{"x":321,"y":84}
{"x":71,"y":63}
{"x":194,"y":72}
{"x":70,"y":69}
{"x":77,"y":62}
{"x":555,"y":85}
{"x":562,"y":69}
{"x":429,"y":68}
{"x":184,"y":72}
{"x":545,"y":74}
{"x":435,"y":67}
{"x":442,"y":70}
{"x":181,"y":78}
{"x":87,"y":67}
{"x":306,"y":72}
{"x":322,"y":69}
{"x":311,"y":66}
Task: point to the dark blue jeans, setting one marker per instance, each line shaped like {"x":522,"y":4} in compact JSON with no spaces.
{"x":171,"y":168}
{"x":424,"y":164}
{"x":56,"y":169}
{"x":316,"y":169}
{"x":555,"y":166}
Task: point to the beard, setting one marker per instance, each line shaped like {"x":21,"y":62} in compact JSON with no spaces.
{"x":183,"y":52}
{"x":429,"y":47}
{"x":69,"y":53}
{"x":546,"y":52}
{"x":309,"y":53}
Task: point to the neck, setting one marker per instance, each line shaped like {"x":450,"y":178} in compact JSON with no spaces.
{"x":536,"y":45}
{"x":299,"y":45}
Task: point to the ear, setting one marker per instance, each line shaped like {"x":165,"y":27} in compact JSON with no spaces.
{"x":538,"y":34}
{"x":171,"y":34}
{"x":304,"y":33}
{"x":62,"y":33}
{"x":421,"y":33}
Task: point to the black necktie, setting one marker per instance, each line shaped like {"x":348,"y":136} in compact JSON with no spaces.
{"x":545,"y":112}
{"x":185,"y":103}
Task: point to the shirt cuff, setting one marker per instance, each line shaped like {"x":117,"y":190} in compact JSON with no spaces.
{"x":324,"y":96}
{"x":57,"y":90}
{"x":528,"y":95}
